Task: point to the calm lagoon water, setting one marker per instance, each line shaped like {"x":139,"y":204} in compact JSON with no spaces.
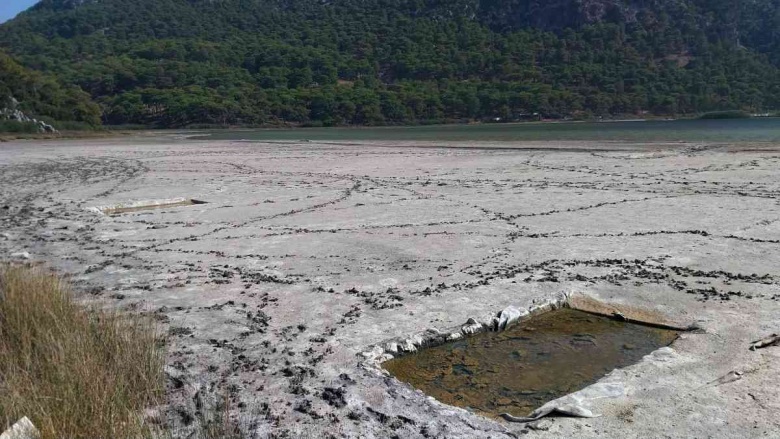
{"x":733,"y":130}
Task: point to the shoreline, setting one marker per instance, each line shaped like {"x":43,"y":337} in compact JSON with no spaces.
{"x":215,"y":133}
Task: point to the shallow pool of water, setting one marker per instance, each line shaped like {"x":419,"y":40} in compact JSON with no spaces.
{"x":532,"y":363}
{"x":734,"y":130}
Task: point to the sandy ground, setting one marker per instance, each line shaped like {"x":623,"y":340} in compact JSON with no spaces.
{"x":308,"y":254}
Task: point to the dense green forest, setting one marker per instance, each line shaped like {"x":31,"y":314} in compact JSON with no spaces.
{"x":335,"y":62}
{"x":44,"y":97}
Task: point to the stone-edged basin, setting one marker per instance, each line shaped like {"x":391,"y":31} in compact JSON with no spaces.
{"x":141,"y":206}
{"x":540,"y":359}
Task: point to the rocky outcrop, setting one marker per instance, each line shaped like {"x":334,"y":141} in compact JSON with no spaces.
{"x":9,"y":110}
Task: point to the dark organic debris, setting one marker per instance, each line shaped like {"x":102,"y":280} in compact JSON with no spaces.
{"x":772,"y":340}
{"x":334,"y":396}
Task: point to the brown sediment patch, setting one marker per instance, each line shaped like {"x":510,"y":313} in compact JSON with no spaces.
{"x":536,"y":361}
{"x":118,"y":210}
{"x":628,"y":313}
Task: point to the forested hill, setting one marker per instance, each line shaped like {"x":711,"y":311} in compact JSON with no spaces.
{"x":40,"y":96}
{"x":182,"y":62}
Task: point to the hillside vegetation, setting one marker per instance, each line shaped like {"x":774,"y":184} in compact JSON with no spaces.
{"x":181,"y":62}
{"x":42,"y":96}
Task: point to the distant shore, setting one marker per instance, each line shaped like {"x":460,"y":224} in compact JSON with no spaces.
{"x":682,"y":129}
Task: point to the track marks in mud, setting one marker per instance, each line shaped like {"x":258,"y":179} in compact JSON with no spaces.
{"x":706,"y":285}
{"x":243,"y":319}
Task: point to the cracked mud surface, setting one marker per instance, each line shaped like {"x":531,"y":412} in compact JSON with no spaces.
{"x":307,"y":254}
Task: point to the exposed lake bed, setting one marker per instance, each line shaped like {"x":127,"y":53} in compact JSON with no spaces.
{"x":309,"y":253}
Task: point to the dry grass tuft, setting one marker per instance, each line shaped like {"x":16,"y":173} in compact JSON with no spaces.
{"x":216,"y":422}
{"x":75,"y":371}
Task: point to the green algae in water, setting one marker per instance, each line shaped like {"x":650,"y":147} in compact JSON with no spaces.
{"x":534,"y":362}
